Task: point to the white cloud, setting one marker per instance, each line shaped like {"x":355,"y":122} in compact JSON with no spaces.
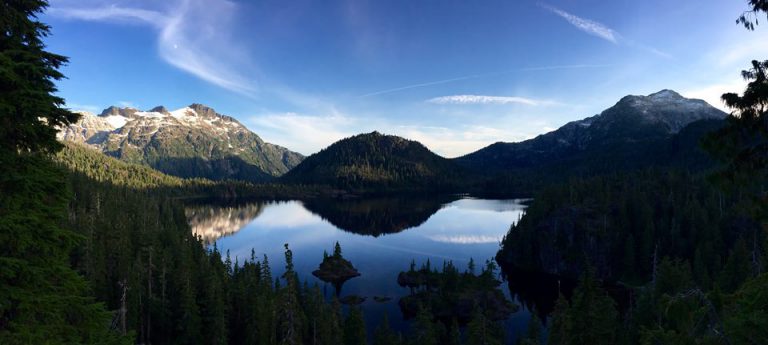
{"x":303,"y":133}
{"x":602,"y":31}
{"x":127,"y":104}
{"x":450,"y":143}
{"x":586,"y":25}
{"x":309,"y":134}
{"x":465,"y":239}
{"x":477,"y":99}
{"x":83,"y":107}
{"x":193,"y":35}
{"x":712,"y":93}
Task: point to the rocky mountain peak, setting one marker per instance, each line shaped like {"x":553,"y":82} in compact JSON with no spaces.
{"x":160,"y":109}
{"x":666,"y":94}
{"x":203,"y":110}
{"x":665,"y":107}
{"x":117,"y":111}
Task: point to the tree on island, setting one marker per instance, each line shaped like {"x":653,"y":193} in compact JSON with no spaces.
{"x":335,"y":269}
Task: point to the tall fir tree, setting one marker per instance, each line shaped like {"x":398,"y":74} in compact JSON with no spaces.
{"x":42,"y":299}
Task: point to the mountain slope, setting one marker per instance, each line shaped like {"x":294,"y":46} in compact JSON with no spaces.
{"x":638,"y":130}
{"x":375,"y":160}
{"x":190,"y":142}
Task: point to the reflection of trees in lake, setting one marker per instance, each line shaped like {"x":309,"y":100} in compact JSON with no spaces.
{"x":213,"y":222}
{"x":537,"y":291}
{"x":377,"y":216}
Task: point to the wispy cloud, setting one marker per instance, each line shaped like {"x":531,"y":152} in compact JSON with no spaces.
{"x":465,"y":239}
{"x":430,"y":83}
{"x":586,"y":25}
{"x":602,"y":31}
{"x":478,"y":99}
{"x":83,"y":107}
{"x":193,"y":35}
{"x":482,"y":75}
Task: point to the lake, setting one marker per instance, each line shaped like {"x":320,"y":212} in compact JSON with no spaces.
{"x":380,"y":236}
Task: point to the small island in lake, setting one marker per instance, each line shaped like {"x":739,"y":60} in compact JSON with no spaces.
{"x":335,"y":269}
{"x":450,"y":294}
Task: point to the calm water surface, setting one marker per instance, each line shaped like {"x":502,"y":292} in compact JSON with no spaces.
{"x":379,"y":236}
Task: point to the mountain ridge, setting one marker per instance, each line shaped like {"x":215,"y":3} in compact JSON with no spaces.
{"x":194,"y":141}
{"x":632,"y":121}
{"x":375,"y":160}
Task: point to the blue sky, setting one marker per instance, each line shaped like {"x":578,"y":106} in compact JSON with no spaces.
{"x":455,"y":75}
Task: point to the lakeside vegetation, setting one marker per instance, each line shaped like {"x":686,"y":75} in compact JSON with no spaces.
{"x":93,"y":250}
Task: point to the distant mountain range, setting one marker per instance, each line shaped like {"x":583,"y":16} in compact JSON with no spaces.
{"x":662,"y":129}
{"x":194,"y":141}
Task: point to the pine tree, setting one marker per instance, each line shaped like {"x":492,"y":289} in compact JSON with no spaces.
{"x":383,"y":335}
{"x":424,"y":331}
{"x":42,"y":299}
{"x":354,"y":328}
{"x":482,"y":331}
{"x":592,"y":314}
{"x":560,"y":323}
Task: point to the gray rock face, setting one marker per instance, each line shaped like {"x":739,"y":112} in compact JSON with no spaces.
{"x":190,"y":142}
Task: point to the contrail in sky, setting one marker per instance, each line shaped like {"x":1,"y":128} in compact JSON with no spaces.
{"x":475,"y":76}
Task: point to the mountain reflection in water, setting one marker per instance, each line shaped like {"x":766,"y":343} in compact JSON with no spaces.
{"x":380,"y":236}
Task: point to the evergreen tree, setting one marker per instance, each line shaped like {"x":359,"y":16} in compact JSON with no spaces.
{"x":454,"y":333}
{"x":42,"y":299}
{"x":482,"y":331}
{"x":560,"y":323}
{"x":290,"y":315}
{"x":384,"y":335}
{"x":354,"y":328}
{"x":592,"y":314}
{"x":424,"y":331}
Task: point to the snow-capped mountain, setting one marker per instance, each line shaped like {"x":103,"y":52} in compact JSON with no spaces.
{"x":194,"y":141}
{"x":636,"y":130}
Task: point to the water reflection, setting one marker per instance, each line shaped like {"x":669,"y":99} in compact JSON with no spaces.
{"x":210,"y":222}
{"x":377,"y":216}
{"x":380,"y":236}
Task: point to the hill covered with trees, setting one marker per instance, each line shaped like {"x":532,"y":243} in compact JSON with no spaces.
{"x":375,"y":161}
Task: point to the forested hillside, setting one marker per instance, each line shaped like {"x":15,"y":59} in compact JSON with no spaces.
{"x":377,"y":162}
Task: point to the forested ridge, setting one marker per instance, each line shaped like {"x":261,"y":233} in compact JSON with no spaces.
{"x":375,"y":162}
{"x":164,"y":286}
{"x":95,"y":251}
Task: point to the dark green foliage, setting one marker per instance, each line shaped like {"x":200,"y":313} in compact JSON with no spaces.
{"x":450,"y":295}
{"x":376,"y":162}
{"x":746,"y":320}
{"x":482,"y":331}
{"x":105,"y":169}
{"x":384,"y":335}
{"x":742,"y":145}
{"x":29,"y":110}
{"x":637,"y":132}
{"x":593,"y":314}
{"x":560,"y":324}
{"x":621,"y":223}
{"x":354,"y":328}
{"x":42,"y":300}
